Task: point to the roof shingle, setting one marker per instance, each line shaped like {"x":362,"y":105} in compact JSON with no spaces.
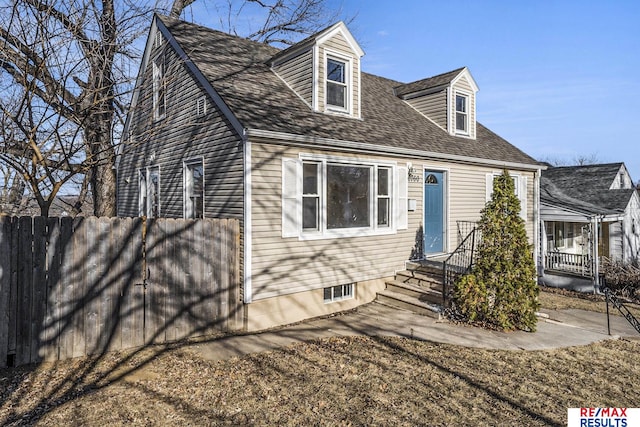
{"x":237,"y":69}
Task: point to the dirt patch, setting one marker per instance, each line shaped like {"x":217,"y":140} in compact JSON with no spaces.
{"x":558,"y":299}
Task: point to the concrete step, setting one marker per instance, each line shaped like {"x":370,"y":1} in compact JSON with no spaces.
{"x":424,"y":294}
{"x":406,"y":302}
{"x":429,"y":280}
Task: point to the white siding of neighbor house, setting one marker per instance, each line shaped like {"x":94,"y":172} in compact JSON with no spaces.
{"x":464,"y":86}
{"x":631,"y":235}
{"x":433,"y":106}
{"x":297,"y":72}
{"x":283,"y":266}
{"x":338,"y":44}
{"x":616,"y":241}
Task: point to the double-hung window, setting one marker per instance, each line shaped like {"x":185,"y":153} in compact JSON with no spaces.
{"x":194,"y":189}
{"x":462,"y":115}
{"x":311,"y":196}
{"x":520,"y":190}
{"x":337,"y":91}
{"x":335,"y":197}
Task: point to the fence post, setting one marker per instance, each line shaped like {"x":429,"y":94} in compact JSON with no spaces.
{"x":5,"y":286}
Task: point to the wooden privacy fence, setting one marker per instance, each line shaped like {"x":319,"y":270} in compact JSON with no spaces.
{"x":73,"y":287}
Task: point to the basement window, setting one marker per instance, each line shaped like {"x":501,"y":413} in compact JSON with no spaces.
{"x":338,"y":293}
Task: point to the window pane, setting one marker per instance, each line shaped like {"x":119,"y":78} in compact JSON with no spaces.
{"x":348,"y":196}
{"x":348,"y":290}
{"x":461,"y":104}
{"x":383,"y":182}
{"x":143,"y":194}
{"x":310,"y":213}
{"x":310,"y":178}
{"x":461,"y":121}
{"x":335,"y":71}
{"x":337,"y":292}
{"x":327,"y":294}
{"x":383,"y":211}
{"x":154,"y":193}
{"x":194,"y":206}
{"x":336,"y":95}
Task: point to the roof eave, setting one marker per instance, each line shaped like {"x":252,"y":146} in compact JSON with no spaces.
{"x":361,"y":147}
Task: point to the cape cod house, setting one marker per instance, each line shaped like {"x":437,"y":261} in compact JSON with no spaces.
{"x":338,"y":177}
{"x":588,"y":212}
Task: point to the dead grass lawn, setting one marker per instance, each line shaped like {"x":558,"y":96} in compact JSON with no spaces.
{"x":353,"y":381}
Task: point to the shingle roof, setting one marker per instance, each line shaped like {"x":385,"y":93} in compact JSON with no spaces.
{"x":585,"y":187}
{"x":428,"y":83}
{"x":238,"y":71}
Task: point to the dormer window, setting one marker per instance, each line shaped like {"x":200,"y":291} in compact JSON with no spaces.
{"x":337,"y":84}
{"x":462,"y":116}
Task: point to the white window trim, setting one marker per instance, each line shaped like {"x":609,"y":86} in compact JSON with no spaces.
{"x":292,"y":203}
{"x":467,"y":97}
{"x":350,"y":286}
{"x":348,"y":79}
{"x":201,"y":106}
{"x":186,"y":209}
{"x":520,"y":184}
{"x":142,"y":201}
{"x":146,"y":173}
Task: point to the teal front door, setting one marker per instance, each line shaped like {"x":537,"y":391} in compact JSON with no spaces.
{"x":433,"y":212}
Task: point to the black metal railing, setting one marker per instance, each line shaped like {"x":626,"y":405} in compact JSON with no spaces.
{"x":459,"y":262}
{"x":612,"y":298}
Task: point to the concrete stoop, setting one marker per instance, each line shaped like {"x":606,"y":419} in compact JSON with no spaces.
{"x":416,"y":291}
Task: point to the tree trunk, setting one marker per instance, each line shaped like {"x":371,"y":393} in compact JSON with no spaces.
{"x":104,"y":190}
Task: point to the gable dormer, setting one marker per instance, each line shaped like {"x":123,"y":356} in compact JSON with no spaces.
{"x":324,"y":70}
{"x":448,"y":99}
{"x":622,"y":179}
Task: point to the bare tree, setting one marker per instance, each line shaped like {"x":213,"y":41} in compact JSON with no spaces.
{"x":75,"y":62}
{"x":577,"y":160}
{"x":283,"y":21}
{"x":65,"y":56}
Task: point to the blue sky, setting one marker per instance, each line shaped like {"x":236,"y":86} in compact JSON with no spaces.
{"x":558,"y":79}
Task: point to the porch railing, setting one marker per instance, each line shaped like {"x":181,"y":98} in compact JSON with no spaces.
{"x":569,"y":263}
{"x":459,"y":262}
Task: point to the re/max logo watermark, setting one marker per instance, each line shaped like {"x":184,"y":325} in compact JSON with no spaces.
{"x":603,"y":417}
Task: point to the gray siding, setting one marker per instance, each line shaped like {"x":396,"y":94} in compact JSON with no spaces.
{"x":433,"y":105}
{"x":178,"y":137}
{"x":181,"y":136}
{"x":297,"y":72}
{"x":288,"y":265}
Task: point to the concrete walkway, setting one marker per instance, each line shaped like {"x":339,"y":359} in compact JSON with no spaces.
{"x":556,"y":328}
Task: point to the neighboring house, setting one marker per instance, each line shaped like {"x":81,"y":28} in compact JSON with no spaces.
{"x":588,"y":212}
{"x":337,"y":176}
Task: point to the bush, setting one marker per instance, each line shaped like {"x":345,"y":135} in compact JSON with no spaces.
{"x":501,"y":290}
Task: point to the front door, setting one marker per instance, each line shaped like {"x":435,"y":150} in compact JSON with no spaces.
{"x":433,"y":212}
